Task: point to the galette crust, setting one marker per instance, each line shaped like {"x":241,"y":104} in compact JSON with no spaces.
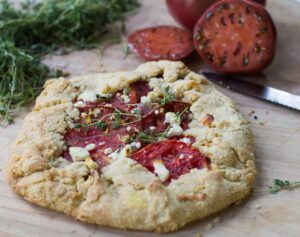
{"x":126,"y":195}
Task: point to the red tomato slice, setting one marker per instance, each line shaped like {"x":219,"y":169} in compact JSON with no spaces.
{"x":178,"y":157}
{"x":162,"y":43}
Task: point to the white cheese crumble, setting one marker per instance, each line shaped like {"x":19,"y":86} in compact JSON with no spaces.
{"x":161,"y":171}
{"x":174,"y":121}
{"x":181,"y":156}
{"x":152,"y":128}
{"x":171,"y":118}
{"x":79,"y":104}
{"x":186,"y":140}
{"x":126,"y":98}
{"x":145,"y":100}
{"x":135,"y":145}
{"x":79,"y":153}
{"x":156,"y":112}
{"x":175,"y":130}
{"x":88,"y":96}
{"x":96,"y":111}
{"x":121,"y":154}
{"x":90,"y":147}
{"x":125,"y":152}
{"x":128,"y":129}
{"x":84,"y":115}
{"x":114,"y":155}
{"x":108,"y":151}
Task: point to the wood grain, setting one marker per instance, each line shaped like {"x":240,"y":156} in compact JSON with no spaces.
{"x":276,"y":131}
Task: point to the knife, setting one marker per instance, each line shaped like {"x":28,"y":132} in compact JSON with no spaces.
{"x":263,"y":92}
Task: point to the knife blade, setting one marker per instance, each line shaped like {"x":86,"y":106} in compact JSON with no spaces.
{"x":263,"y":92}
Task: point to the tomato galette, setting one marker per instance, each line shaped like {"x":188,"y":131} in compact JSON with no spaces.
{"x":152,"y":149}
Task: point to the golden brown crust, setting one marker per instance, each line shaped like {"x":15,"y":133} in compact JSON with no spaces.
{"x":126,"y":195}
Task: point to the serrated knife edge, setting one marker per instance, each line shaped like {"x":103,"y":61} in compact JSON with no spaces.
{"x":263,"y":92}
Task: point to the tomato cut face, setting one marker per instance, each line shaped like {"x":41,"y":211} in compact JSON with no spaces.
{"x":236,"y":37}
{"x":122,"y":120}
{"x":162,"y":43}
{"x":178,"y":157}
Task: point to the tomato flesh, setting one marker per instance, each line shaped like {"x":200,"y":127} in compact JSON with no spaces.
{"x":178,"y":157}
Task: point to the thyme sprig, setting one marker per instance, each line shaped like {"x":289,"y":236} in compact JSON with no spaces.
{"x":280,"y":185}
{"x":167,"y":96}
{"x":117,"y":118}
{"x":277,"y":186}
{"x":153,"y":136}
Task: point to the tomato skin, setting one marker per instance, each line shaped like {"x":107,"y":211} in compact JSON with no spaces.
{"x":263,"y":2}
{"x":187,"y":12}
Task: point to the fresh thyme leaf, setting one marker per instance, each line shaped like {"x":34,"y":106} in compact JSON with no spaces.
{"x":44,"y":26}
{"x":101,"y":97}
{"x":126,"y":91}
{"x":126,"y":50}
{"x":148,"y":138}
{"x":167,"y":96}
{"x":136,"y":112}
{"x":78,"y":125}
{"x":279,"y":185}
{"x":152,"y":136}
{"x":101,"y":125}
{"x":118,"y":118}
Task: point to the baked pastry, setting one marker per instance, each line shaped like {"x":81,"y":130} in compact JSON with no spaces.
{"x":152,"y":149}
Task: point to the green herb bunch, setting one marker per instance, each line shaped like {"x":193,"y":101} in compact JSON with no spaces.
{"x":21,"y":78}
{"x":36,"y":28}
{"x":53,"y":24}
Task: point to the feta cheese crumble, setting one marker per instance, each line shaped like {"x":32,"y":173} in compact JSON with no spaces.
{"x":79,"y":153}
{"x":135,"y":145}
{"x":186,"y":140}
{"x":121,"y":154}
{"x":175,"y":130}
{"x":114,"y":155}
{"x":125,"y":98}
{"x":161,"y":171}
{"x":108,"y":151}
{"x":171,"y":118}
{"x":90,"y":147}
{"x":145,"y":100}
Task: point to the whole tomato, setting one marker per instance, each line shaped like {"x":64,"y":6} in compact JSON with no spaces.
{"x":187,"y":12}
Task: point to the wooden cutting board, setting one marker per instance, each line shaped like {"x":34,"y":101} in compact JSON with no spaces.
{"x":276,"y":131}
